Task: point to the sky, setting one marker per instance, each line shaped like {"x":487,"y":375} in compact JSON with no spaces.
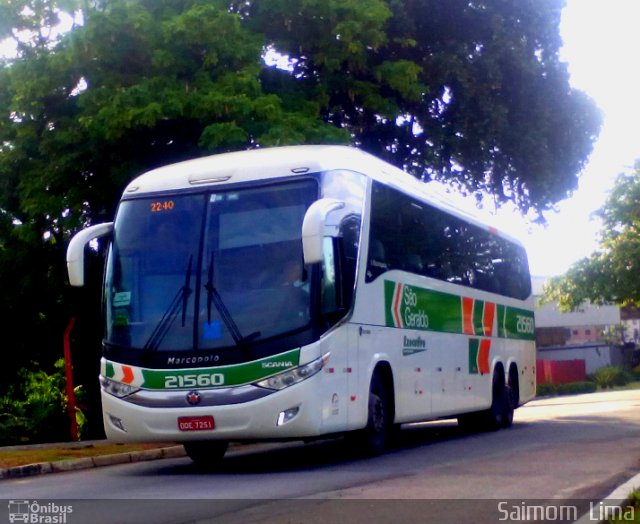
{"x":601,"y":46}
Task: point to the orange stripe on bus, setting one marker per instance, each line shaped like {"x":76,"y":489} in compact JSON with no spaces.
{"x":127,"y":375}
{"x":397,"y":317}
{"x":483,"y":356}
{"x":467,"y":316}
{"x":488,"y":315}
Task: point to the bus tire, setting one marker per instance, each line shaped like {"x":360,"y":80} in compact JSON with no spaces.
{"x":376,"y":432}
{"x":206,"y":453}
{"x":373,"y":439}
{"x":514,"y":385}
{"x":507,"y":407}
{"x":492,"y":418}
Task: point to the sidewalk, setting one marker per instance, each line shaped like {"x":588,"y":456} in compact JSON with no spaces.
{"x":96,"y":458}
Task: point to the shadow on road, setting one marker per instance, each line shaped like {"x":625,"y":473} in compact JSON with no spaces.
{"x":298,"y":456}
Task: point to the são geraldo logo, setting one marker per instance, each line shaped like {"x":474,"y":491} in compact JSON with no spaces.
{"x":38,"y":512}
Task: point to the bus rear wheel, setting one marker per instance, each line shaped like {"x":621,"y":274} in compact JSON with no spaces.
{"x":514,"y":384}
{"x":208,"y":453}
{"x":500,"y":414}
{"x":507,"y":407}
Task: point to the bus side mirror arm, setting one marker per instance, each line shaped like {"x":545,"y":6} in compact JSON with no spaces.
{"x":313,"y":228}
{"x":75,"y":251}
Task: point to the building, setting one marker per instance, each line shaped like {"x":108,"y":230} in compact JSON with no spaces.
{"x":591,"y":333}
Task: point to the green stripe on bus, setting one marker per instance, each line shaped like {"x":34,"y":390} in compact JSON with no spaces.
{"x":502,"y":313}
{"x":389,"y":290}
{"x":222,"y":376}
{"x":478,"y":309}
{"x":423,"y":309}
{"x":429,"y":310}
{"x":474,"y":346}
{"x":515,"y":323}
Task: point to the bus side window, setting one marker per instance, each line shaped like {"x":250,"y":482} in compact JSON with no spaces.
{"x":377,"y":263}
{"x":330,"y":298}
{"x":414,"y":264}
{"x":422,"y":239}
{"x":349,"y":243}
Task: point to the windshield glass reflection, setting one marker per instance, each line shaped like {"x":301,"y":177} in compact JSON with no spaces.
{"x":209,"y":271}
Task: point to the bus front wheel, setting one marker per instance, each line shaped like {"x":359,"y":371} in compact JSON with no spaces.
{"x":373,"y":439}
{"x":207,"y":453}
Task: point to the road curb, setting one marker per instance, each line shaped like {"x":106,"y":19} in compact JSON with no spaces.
{"x":616,"y":498}
{"x":60,"y":466}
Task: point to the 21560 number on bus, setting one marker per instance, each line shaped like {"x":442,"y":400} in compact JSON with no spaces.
{"x":193,"y":381}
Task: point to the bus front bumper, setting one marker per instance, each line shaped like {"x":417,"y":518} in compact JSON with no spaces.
{"x":294,"y":412}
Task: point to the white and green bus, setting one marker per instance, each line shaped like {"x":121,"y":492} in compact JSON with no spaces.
{"x":303,"y":292}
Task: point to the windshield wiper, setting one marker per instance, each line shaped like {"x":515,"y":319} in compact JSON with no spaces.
{"x":181,"y":299}
{"x":213,"y":297}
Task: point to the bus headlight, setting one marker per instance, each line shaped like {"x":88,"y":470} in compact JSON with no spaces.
{"x":295,"y":375}
{"x":117,"y":389}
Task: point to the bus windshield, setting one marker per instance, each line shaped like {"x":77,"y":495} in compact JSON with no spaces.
{"x":210,"y":270}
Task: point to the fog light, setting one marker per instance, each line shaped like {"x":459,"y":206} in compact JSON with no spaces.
{"x":117,"y":423}
{"x":287,"y":415}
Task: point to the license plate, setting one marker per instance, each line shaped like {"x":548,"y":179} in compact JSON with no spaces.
{"x":205,"y":423}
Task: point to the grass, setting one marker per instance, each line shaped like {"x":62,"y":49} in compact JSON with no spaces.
{"x":629,"y":512}
{"x":550,"y":390}
{"x":21,"y":457}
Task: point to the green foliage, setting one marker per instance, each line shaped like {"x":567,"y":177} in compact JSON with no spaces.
{"x":575,"y":388}
{"x":471,"y":93}
{"x":34,"y":410}
{"x":615,"y":334}
{"x":610,"y":376}
{"x":546,"y":390}
{"x":610,"y":275}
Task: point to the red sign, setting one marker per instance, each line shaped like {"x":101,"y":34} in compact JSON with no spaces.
{"x":205,"y":423}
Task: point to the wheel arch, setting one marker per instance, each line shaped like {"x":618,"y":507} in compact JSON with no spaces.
{"x":499,"y":371}
{"x":513,"y":379}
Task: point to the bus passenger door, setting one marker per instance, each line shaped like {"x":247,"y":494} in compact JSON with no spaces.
{"x":337,"y":376}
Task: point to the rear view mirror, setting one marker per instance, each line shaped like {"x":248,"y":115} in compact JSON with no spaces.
{"x":313,"y":228}
{"x":75,"y":251}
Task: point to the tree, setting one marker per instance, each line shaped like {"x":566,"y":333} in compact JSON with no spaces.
{"x":472,"y":93}
{"x":136,"y":85}
{"x":611,"y":274}
{"x":468,"y":92}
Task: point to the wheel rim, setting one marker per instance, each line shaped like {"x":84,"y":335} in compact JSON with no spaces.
{"x":497,"y":404}
{"x":377,"y":415}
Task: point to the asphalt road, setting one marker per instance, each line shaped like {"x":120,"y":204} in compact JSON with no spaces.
{"x":564,"y":451}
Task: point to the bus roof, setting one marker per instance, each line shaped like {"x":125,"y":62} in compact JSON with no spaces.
{"x":250,"y":165}
{"x":278,"y":162}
